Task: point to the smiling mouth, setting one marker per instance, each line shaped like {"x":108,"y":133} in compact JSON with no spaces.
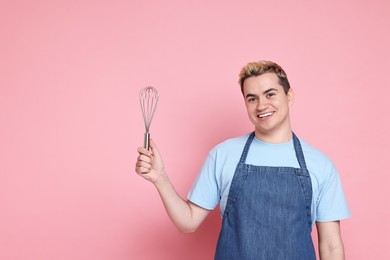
{"x":265,"y":115}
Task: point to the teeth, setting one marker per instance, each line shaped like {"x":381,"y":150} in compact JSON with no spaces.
{"x":265,"y":115}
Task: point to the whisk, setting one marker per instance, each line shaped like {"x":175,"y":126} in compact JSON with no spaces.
{"x":148,"y":98}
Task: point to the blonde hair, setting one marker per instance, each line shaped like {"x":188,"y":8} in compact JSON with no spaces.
{"x":258,"y":68}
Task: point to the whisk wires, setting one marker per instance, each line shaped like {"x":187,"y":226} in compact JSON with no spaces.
{"x":148,"y":98}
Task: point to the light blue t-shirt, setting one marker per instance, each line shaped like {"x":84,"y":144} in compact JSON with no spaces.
{"x":212,"y":185}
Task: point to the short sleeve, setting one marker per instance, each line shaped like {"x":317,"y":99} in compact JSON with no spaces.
{"x":331,"y":202}
{"x":204,"y":191}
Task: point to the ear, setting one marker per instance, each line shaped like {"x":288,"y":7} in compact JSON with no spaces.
{"x":290,"y":97}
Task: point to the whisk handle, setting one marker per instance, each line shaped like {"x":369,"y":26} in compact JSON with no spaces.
{"x":146,"y":140}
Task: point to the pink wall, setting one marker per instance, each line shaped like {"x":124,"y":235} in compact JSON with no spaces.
{"x":70,"y":73}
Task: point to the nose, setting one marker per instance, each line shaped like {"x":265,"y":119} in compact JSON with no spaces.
{"x":262,"y":104}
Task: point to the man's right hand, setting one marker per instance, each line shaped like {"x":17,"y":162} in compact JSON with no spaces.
{"x":149,"y":164}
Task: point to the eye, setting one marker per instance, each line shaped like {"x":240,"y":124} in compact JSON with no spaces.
{"x":251,"y":100}
{"x":270,"y":94}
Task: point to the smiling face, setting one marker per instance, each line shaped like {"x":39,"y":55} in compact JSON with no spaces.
{"x":268,"y":106}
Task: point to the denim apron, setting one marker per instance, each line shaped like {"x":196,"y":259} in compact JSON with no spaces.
{"x":267,"y":215}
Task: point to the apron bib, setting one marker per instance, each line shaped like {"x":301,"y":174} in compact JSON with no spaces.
{"x":267,"y":215}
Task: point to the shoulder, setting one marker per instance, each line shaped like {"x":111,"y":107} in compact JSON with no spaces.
{"x":227,"y":153}
{"x":318,"y":163}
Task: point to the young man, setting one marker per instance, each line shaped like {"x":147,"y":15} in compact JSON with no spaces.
{"x":271,"y":185}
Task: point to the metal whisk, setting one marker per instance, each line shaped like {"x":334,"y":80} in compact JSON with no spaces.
{"x":148,"y":98}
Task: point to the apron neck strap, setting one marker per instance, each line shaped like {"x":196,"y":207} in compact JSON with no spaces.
{"x":297,"y":148}
{"x":299,"y":152}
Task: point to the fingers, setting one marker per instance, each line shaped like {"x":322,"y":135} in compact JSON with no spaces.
{"x":148,"y":159}
{"x":144,"y":158}
{"x":142,"y":170}
{"x":142,"y":167}
{"x":152,"y":144}
{"x":142,"y":150}
{"x":144,"y":162}
{"x":154,"y":149}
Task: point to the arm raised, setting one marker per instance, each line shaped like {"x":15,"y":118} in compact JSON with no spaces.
{"x":186,"y":215}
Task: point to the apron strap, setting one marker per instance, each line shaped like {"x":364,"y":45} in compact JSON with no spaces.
{"x":299,"y":152}
{"x":297,"y":147}
{"x":246,"y":148}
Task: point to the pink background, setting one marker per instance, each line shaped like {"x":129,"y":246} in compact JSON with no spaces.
{"x":70,"y":73}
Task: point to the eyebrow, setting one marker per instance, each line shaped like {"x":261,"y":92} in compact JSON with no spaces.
{"x":250,"y":95}
{"x":264,"y":93}
{"x":269,"y":90}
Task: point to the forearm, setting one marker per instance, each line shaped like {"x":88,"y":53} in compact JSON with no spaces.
{"x":178,"y":209}
{"x":330,"y":243}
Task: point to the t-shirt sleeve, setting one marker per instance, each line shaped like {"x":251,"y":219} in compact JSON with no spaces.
{"x":204,"y":191}
{"x":331,"y":202}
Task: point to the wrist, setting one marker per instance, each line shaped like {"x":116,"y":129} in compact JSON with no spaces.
{"x":162,"y":179}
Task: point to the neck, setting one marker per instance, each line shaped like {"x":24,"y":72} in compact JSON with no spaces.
{"x":275,"y":138}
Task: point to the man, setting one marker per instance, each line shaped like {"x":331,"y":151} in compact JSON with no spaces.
{"x":271,"y":185}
